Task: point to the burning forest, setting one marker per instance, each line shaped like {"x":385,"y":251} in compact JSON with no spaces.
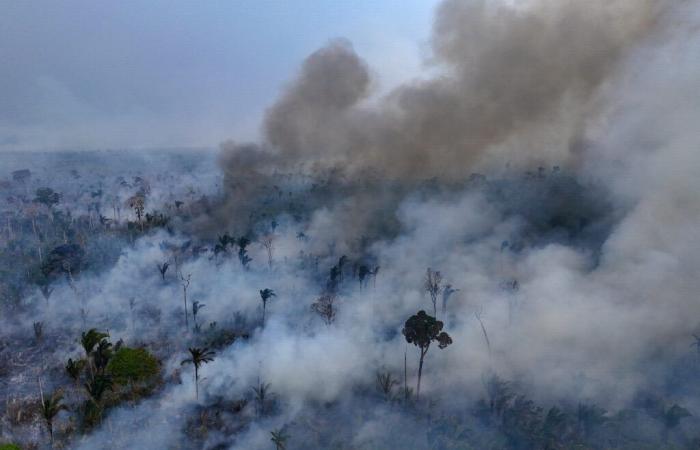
{"x":498,"y":252}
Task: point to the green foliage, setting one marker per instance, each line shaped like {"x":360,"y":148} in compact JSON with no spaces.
{"x":74,"y":368}
{"x":10,"y":447}
{"x":132,"y":365}
{"x":91,"y":338}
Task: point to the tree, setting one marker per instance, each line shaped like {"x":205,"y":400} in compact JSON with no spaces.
{"x":198,"y":356}
{"x":243,"y":257}
{"x":279,"y":439}
{"x":47,"y":197}
{"x":325,"y":307}
{"x":265,"y":295}
{"x":46,"y":291}
{"x":137,"y":203}
{"x":421,"y":330}
{"x":446,"y":294}
{"x":185,"y":285}
{"x":477,"y":314}
{"x":89,"y":340}
{"x":162,"y":268}
{"x":73,"y":368}
{"x":672,"y":418}
{"x":262,"y":395}
{"x":433,"y":286}
{"x":38,"y":331}
{"x":196,"y":306}
{"x":66,"y":258}
{"x":224,"y":241}
{"x":101,"y":355}
{"x":98,"y":386}
{"x":268,"y":241}
{"x":386,"y":383}
{"x":50,"y":407}
{"x":696,"y":344}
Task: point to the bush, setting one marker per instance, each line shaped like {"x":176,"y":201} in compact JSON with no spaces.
{"x":132,"y":365}
{"x":10,"y":447}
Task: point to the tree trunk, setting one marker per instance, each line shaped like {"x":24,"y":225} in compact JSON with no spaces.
{"x":196,"y":383}
{"x":184,"y":295}
{"x":405,"y":375}
{"x":420,"y":370}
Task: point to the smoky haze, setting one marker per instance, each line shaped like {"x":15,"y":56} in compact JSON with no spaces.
{"x":545,"y":163}
{"x":515,"y":84}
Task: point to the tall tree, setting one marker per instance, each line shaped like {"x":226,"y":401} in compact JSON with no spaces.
{"x":198,"y":356}
{"x":421,"y":330}
{"x":89,"y":340}
{"x":50,"y":407}
{"x":265,"y":295}
{"x":185,"y":285}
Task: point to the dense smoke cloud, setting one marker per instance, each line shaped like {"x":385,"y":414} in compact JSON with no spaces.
{"x":516,"y":84}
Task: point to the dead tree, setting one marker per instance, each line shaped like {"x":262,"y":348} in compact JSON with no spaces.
{"x":325,"y":307}
{"x":185,"y":285}
{"x":433,"y":286}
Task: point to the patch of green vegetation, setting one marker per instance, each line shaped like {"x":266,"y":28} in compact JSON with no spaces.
{"x":132,"y":365}
{"x":10,"y":447}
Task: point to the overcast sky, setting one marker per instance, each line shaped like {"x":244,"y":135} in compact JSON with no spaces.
{"x":85,"y":74}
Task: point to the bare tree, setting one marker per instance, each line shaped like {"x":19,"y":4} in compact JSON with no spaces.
{"x":477,"y":314}
{"x":433,"y":286}
{"x":386,"y":383}
{"x":324,"y":306}
{"x":163,"y":268}
{"x":185,"y":285}
{"x":268,"y":241}
{"x":138,"y":204}
{"x":446,"y":294}
{"x":196,"y":306}
{"x":38,"y":331}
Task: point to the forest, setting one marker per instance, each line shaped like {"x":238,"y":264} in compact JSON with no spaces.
{"x":501,"y":253}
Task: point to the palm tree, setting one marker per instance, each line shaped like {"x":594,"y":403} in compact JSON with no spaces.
{"x":262,"y":395}
{"x":279,"y":439}
{"x":50,"y":407}
{"x":265,"y":295}
{"x":89,"y":340}
{"x":198,"y":356}
{"x":73,"y":368}
{"x":98,"y":386}
{"x":196,"y":306}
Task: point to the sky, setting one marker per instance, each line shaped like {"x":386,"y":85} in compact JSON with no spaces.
{"x":176,"y":73}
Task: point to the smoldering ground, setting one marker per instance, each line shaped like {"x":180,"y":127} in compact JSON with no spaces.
{"x":576,"y":284}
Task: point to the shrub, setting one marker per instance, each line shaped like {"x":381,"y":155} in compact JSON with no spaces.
{"x":132,"y":365}
{"x":10,"y":447}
